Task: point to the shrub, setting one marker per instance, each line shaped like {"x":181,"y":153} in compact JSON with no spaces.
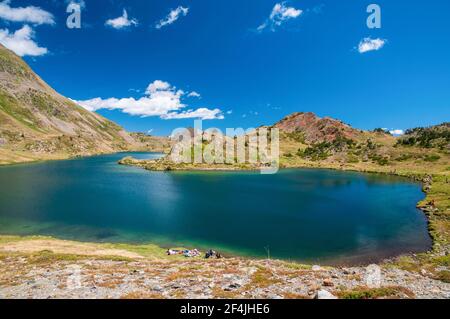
{"x":444,"y":276}
{"x":323,"y":150}
{"x":380,"y":160}
{"x":352,"y":159}
{"x":375,"y":293}
{"x":436,"y":136}
{"x":380,"y":130}
{"x":432,"y":158}
{"x":297,"y":136}
{"x":316,"y":152}
{"x":404,"y":157}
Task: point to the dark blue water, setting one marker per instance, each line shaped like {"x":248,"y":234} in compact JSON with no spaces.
{"x":306,"y":215}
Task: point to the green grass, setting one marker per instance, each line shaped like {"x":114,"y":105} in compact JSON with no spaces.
{"x":263,"y":278}
{"x":375,"y":293}
{"x":404,"y":157}
{"x":4,"y":239}
{"x":147,"y":250}
{"x":13,"y":65}
{"x":444,"y":276}
{"x":432,"y":158}
{"x":11,"y":106}
{"x":48,"y":257}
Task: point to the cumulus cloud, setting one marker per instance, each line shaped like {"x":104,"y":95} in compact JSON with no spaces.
{"x":21,"y":42}
{"x":194,"y":94}
{"x":368,"y":44}
{"x":397,"y":132}
{"x":162,"y":100}
{"x":156,"y":86}
{"x":121,"y":22}
{"x":173,"y":16}
{"x":30,"y":14}
{"x":279,"y":15}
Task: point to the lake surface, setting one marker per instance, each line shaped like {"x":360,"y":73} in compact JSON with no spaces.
{"x":305,"y":215}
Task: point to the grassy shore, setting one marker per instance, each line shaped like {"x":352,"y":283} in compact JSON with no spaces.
{"x":43,"y":267}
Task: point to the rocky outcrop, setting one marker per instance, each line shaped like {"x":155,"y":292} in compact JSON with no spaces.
{"x":315,"y":129}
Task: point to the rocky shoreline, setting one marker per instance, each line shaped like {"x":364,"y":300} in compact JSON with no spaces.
{"x":116,"y":273}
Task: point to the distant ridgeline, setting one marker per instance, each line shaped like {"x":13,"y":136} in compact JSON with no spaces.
{"x":429,"y":137}
{"x":308,"y":138}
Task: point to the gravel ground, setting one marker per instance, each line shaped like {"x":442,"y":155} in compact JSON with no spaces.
{"x":89,"y":277}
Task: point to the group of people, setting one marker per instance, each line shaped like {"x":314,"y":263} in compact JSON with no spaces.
{"x":185,"y":253}
{"x":193,"y":253}
{"x":212,"y":254}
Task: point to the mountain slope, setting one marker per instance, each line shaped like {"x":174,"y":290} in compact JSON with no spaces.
{"x":307,"y":140}
{"x":38,"y":123}
{"x":437,"y":136}
{"x":315,"y":129}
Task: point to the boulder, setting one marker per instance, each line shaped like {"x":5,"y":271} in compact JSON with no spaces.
{"x":328,"y":283}
{"x":324,"y":294}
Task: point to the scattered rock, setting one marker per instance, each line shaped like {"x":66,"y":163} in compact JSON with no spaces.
{"x":232,"y":278}
{"x":157,"y":288}
{"x":316,"y":268}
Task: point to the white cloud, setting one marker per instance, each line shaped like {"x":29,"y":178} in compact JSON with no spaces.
{"x":397,"y":132}
{"x":30,"y":14}
{"x":368,"y":44}
{"x":194,"y":94}
{"x":161,"y":100}
{"x":173,"y":16}
{"x":280,"y":14}
{"x":156,"y":86}
{"x":201,"y":113}
{"x":21,"y":42}
{"x":121,"y":22}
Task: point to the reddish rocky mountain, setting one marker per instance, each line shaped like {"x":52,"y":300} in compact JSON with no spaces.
{"x":315,"y":129}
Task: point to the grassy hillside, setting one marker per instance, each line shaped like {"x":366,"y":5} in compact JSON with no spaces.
{"x":38,"y":123}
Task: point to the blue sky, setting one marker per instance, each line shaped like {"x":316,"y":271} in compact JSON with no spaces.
{"x":251,"y":61}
